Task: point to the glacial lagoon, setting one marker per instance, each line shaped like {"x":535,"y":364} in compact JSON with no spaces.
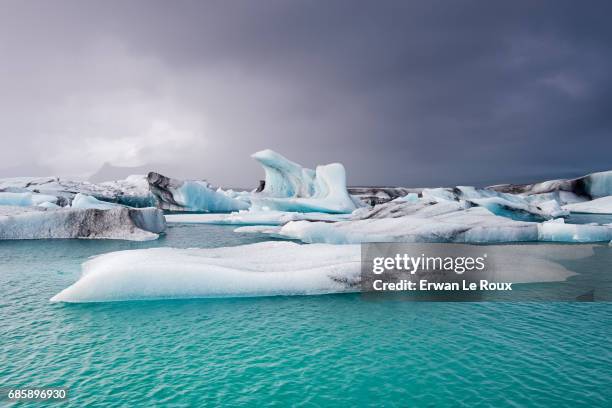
{"x":275,"y":349}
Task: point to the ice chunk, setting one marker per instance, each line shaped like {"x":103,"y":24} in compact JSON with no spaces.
{"x":558,"y":231}
{"x":424,"y":224}
{"x":380,"y":195}
{"x":178,"y":195}
{"x":116,"y":223}
{"x":47,"y":204}
{"x":593,"y":185}
{"x":133,"y":191}
{"x":599,"y":184}
{"x":16,"y":199}
{"x":271,"y":268}
{"x":267,"y":268}
{"x":285,"y":178}
{"x":253,"y":218}
{"x":598,"y":206}
{"x":85,"y":201}
{"x":25,"y":199}
{"x":439,"y":194}
{"x":290,"y":187}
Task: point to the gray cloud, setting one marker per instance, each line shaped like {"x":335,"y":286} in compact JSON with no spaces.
{"x":405,"y":93}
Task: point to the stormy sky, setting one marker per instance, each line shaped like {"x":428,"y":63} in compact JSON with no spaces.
{"x":414,"y":93}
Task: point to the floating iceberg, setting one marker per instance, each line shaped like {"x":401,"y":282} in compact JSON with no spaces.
{"x":598,"y":206}
{"x":253,"y":218}
{"x":558,"y":231}
{"x":177,"y":195}
{"x":379,"y":195}
{"x":116,"y":223}
{"x":133,"y":191}
{"x":446,"y":221}
{"x":474,"y":225}
{"x":290,"y":187}
{"x":507,"y":205}
{"x":592,"y":186}
{"x":269,"y":269}
{"x":26,"y":199}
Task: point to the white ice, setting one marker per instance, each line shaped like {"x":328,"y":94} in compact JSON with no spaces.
{"x":269,"y":269}
{"x":558,"y":231}
{"x":117,"y":223}
{"x":85,"y":201}
{"x":253,"y":218}
{"x":598,"y":206}
{"x":292,"y":188}
{"x":446,"y":221}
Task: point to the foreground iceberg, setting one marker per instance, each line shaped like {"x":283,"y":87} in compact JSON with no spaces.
{"x":116,"y":223}
{"x":267,"y":268}
{"x":273,"y":268}
{"x":290,"y":187}
{"x":177,"y":195}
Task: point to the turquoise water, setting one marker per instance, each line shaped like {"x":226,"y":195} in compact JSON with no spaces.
{"x":335,"y":350}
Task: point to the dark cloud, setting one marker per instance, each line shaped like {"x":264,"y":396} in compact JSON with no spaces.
{"x":410,"y":93}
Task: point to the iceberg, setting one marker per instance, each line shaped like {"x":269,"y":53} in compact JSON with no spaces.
{"x":263,"y":269}
{"x":290,"y":187}
{"x":25,"y":199}
{"x":84,"y":201}
{"x":270,"y":269}
{"x":474,"y":225}
{"x":598,"y":206}
{"x":253,"y":218}
{"x":192,"y":195}
{"x":133,"y":191}
{"x":507,"y":205}
{"x":446,"y":221}
{"x":380,"y":195}
{"x":116,"y":223}
{"x":558,"y":231}
{"x":594,"y":185}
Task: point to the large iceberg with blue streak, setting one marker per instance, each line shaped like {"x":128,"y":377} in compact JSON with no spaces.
{"x":291,"y":187}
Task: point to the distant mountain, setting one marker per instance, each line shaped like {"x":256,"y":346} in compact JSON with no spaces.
{"x":109,"y":172}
